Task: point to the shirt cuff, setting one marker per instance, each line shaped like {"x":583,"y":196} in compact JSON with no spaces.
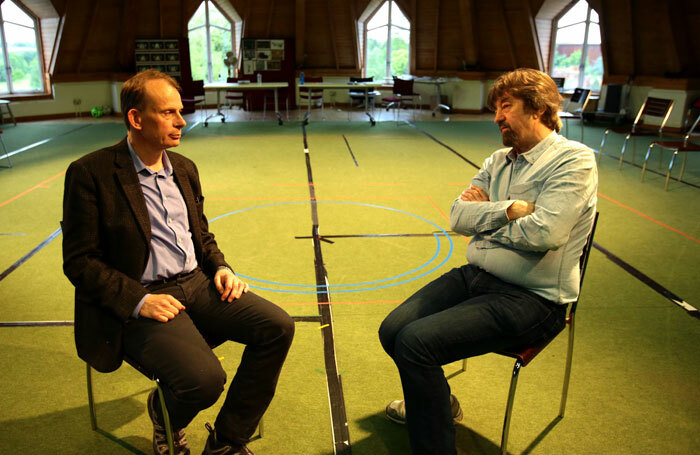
{"x":225,"y":267}
{"x":137,"y":310}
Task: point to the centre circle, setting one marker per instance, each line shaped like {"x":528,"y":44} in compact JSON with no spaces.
{"x":325,"y":288}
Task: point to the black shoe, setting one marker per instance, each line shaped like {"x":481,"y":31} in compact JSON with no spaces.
{"x":160,"y":440}
{"x":216,"y":447}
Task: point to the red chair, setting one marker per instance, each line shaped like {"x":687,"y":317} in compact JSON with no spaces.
{"x":193,"y":94}
{"x":527,"y":354}
{"x":401,"y":92}
{"x":684,"y":146}
{"x":659,"y":108}
{"x":310,"y":97}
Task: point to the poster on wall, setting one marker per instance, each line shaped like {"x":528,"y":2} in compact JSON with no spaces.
{"x":248,"y":67}
{"x":277,"y":44}
{"x":262,"y":55}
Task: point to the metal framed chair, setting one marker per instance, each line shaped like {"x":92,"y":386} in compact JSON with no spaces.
{"x":659,"y":108}
{"x":357,"y":97}
{"x":7,"y":155}
{"x":233,"y":97}
{"x":193,"y":94}
{"x":559,"y":81}
{"x":685,"y":146}
{"x":579,"y":99}
{"x":401,"y":92}
{"x":310,"y":97}
{"x":150,"y":375}
{"x":527,"y":354}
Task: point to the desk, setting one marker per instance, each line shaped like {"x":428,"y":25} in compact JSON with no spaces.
{"x":437,"y":83}
{"x":359,"y":86}
{"x":221,"y":86}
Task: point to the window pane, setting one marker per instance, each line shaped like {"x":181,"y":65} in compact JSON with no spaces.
{"x":376,"y":53}
{"x":199,"y":17}
{"x":594,"y":16}
{"x":198,"y":54}
{"x":24,"y":59}
{"x":3,"y":74}
{"x":380,"y":18}
{"x":574,"y":15}
{"x":220,"y":44}
{"x":399,"y":51}
{"x":567,"y":54}
{"x":12,"y":13}
{"x":593,"y":72}
{"x":397,"y":17}
{"x":216,"y":18}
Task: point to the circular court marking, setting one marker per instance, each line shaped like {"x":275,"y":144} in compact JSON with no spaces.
{"x":354,"y":286}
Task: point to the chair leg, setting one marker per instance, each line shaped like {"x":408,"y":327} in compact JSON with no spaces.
{"x":464,"y":364}
{"x":91,"y":399}
{"x":668,"y":174}
{"x":567,"y":368}
{"x":582,"y":129}
{"x":646,"y":158}
{"x":602,"y":144}
{"x":509,"y":407}
{"x":622,"y":153}
{"x":685,"y":155}
{"x":166,"y":419}
{"x":9,"y":161}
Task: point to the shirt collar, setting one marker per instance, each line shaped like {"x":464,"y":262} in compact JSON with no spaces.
{"x":535,"y":152}
{"x":138,"y":164}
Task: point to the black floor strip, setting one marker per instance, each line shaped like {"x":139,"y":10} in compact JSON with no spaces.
{"x":691,"y":310}
{"x":339,"y":420}
{"x":307,"y":318}
{"x":443,"y":144}
{"x":24,"y":258}
{"x":37,"y":324}
{"x":324,"y":238}
{"x":350,"y":149}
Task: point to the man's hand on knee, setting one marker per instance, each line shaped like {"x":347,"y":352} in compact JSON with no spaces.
{"x":161,"y":307}
{"x":229,"y":285}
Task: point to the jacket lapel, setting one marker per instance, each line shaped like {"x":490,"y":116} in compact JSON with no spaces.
{"x":129,"y":181}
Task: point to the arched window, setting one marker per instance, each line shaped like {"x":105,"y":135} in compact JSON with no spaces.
{"x":20,"y":64}
{"x":211,"y":35}
{"x":388,"y":37}
{"x":577,"y":54}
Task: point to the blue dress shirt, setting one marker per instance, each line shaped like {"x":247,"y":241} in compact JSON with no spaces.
{"x":539,"y":252}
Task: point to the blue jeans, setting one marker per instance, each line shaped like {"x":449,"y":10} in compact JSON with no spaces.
{"x":464,"y":313}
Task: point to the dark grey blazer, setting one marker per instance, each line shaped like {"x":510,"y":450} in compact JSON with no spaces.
{"x":106,"y":237}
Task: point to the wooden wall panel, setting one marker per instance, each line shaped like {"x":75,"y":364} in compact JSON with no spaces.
{"x":640,"y":37}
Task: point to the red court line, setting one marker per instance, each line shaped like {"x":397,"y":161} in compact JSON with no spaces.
{"x":320,"y":200}
{"x":40,"y":185}
{"x":358,"y":302}
{"x":648,"y":217}
{"x":438,"y":208}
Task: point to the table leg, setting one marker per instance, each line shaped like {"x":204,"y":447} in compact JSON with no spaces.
{"x":277,"y":110}
{"x":218,"y":109}
{"x":367,"y":113}
{"x":439,"y":98}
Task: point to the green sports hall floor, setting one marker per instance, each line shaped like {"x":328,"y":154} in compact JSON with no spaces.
{"x":634,"y":386}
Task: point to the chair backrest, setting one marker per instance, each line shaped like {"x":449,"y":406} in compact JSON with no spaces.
{"x":197,"y":88}
{"x":583,"y":261}
{"x":654,"y":107}
{"x":688,"y":134}
{"x":316,"y":91}
{"x":559,"y":81}
{"x":403,"y":86}
{"x":362,"y":79}
{"x":580,"y":97}
{"x":232,"y":93}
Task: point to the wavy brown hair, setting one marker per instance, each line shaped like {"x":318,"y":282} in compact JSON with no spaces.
{"x":134,"y":92}
{"x":537,"y":91}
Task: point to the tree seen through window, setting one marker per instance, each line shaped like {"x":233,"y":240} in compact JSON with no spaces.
{"x":20,"y":67}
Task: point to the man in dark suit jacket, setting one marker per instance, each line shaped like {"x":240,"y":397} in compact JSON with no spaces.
{"x":151,"y":282}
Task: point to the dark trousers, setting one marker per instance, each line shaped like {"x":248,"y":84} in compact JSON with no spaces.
{"x":191,"y":374}
{"x":464,"y":313}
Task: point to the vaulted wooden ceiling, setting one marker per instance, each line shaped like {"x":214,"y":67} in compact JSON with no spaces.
{"x":88,"y":39}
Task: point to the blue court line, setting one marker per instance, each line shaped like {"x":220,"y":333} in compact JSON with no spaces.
{"x":324,"y":288}
{"x":35,"y":250}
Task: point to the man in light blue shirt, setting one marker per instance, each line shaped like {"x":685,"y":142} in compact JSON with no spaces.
{"x":529,"y":211}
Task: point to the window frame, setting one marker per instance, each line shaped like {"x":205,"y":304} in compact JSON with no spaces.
{"x":584,"y":47}
{"x":233,"y":25}
{"x":388,"y":25}
{"x":11,"y":93}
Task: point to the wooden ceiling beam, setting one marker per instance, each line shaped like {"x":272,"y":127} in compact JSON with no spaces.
{"x":57,"y":43}
{"x":436,"y":35}
{"x":468,"y":32}
{"x":331,"y":33}
{"x":89,"y":30}
{"x":300,"y":15}
{"x":355,"y":44}
{"x":270,"y":15}
{"x":508,"y":34}
{"x":535,"y":41}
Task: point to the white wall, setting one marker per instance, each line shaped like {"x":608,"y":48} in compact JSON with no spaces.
{"x":90,"y":94}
